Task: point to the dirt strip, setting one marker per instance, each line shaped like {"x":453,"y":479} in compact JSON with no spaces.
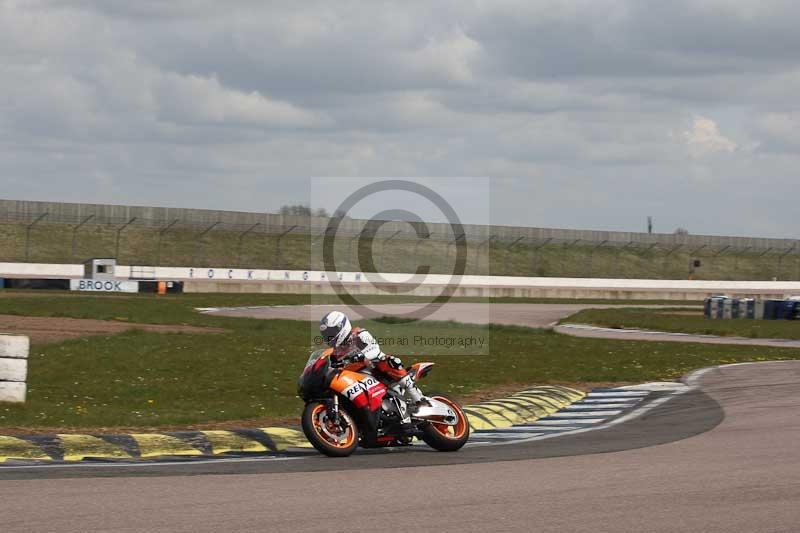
{"x":43,"y":330}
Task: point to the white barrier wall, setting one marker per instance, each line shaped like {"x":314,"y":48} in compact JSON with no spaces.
{"x":14,"y":351}
{"x":23,"y":270}
{"x":40,"y":270}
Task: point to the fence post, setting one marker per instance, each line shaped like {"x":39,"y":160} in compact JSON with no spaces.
{"x":278,"y":245}
{"x":425,"y":238}
{"x":198,"y":241}
{"x":161,"y":233}
{"x":797,"y":259}
{"x":761,"y":256}
{"x":619,"y":250}
{"x":454,"y":242}
{"x":239,"y":241}
{"x":383,"y":250}
{"x":536,"y":253}
{"x":722,"y":251}
{"x":312,"y":255}
{"x":797,"y":264}
{"x":780,"y":260}
{"x":488,"y":254}
{"x":591,"y":256}
{"x":736,"y":262}
{"x":75,"y":234}
{"x":666,"y":258}
{"x":352,"y":258}
{"x":650,"y":256}
{"x":119,"y":231}
{"x":28,"y":235}
{"x":715,"y":256}
{"x":508,"y":251}
{"x":566,"y":246}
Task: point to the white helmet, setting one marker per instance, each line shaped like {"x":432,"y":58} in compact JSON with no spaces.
{"x":335,"y":328}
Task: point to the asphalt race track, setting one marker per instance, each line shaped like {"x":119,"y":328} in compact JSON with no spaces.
{"x":530,"y":315}
{"x":581,"y":330}
{"x":722,"y":457}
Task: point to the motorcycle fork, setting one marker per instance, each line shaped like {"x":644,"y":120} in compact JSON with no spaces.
{"x":333,"y":409}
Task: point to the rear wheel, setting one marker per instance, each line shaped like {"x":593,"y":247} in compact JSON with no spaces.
{"x":330,"y":438}
{"x":444,"y":437}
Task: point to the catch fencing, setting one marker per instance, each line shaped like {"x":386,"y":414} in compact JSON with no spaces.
{"x":67,"y":232}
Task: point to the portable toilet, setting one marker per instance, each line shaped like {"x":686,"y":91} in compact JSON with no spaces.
{"x":773,"y":309}
{"x":713,"y":307}
{"x":727,"y":308}
{"x":747,"y":308}
{"x":718,"y":306}
{"x":789,"y":309}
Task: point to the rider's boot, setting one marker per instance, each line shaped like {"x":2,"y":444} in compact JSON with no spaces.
{"x":406,"y":426}
{"x":415,"y":397}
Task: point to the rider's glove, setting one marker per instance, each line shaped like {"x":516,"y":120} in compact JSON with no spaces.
{"x":357,"y":357}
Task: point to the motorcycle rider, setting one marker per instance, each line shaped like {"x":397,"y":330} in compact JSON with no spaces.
{"x":359,"y":345}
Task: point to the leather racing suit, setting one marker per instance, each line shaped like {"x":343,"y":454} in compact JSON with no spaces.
{"x":361,"y":341}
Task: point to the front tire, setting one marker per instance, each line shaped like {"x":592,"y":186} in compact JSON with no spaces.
{"x":446,"y":438}
{"x":333,"y":440}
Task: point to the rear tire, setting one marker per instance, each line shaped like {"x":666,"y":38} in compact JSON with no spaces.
{"x":446,"y":438}
{"x":328,"y":438}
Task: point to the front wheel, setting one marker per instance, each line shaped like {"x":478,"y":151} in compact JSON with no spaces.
{"x":330,"y":438}
{"x":443,"y":437}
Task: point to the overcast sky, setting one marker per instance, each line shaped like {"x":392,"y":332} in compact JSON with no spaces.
{"x":584,"y":114}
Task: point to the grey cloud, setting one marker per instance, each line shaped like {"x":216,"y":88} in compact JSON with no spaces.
{"x":580,"y":110}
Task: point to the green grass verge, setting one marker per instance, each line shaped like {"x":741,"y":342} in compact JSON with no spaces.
{"x":144,"y":379}
{"x":148,"y":308}
{"x":677,"y":320}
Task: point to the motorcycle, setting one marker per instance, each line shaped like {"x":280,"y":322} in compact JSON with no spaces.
{"x":347,"y":406}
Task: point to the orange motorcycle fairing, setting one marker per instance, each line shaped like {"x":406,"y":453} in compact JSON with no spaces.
{"x":363,"y":391}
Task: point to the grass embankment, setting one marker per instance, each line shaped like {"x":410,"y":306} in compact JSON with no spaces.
{"x":683,"y":321}
{"x":181,"y":246}
{"x":143,"y":379}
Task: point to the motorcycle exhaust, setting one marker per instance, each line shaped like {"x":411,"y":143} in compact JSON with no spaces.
{"x":436,"y":411}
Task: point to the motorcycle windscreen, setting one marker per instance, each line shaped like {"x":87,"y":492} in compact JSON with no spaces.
{"x":363,"y":391}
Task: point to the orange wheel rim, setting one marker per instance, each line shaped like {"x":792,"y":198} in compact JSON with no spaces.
{"x":451,"y":432}
{"x":327,"y":430}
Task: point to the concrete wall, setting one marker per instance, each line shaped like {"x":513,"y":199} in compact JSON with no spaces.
{"x":565,"y":289}
{"x":14,"y":351}
{"x":316,"y":282}
{"x":40,"y":270}
{"x":21,"y":210}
